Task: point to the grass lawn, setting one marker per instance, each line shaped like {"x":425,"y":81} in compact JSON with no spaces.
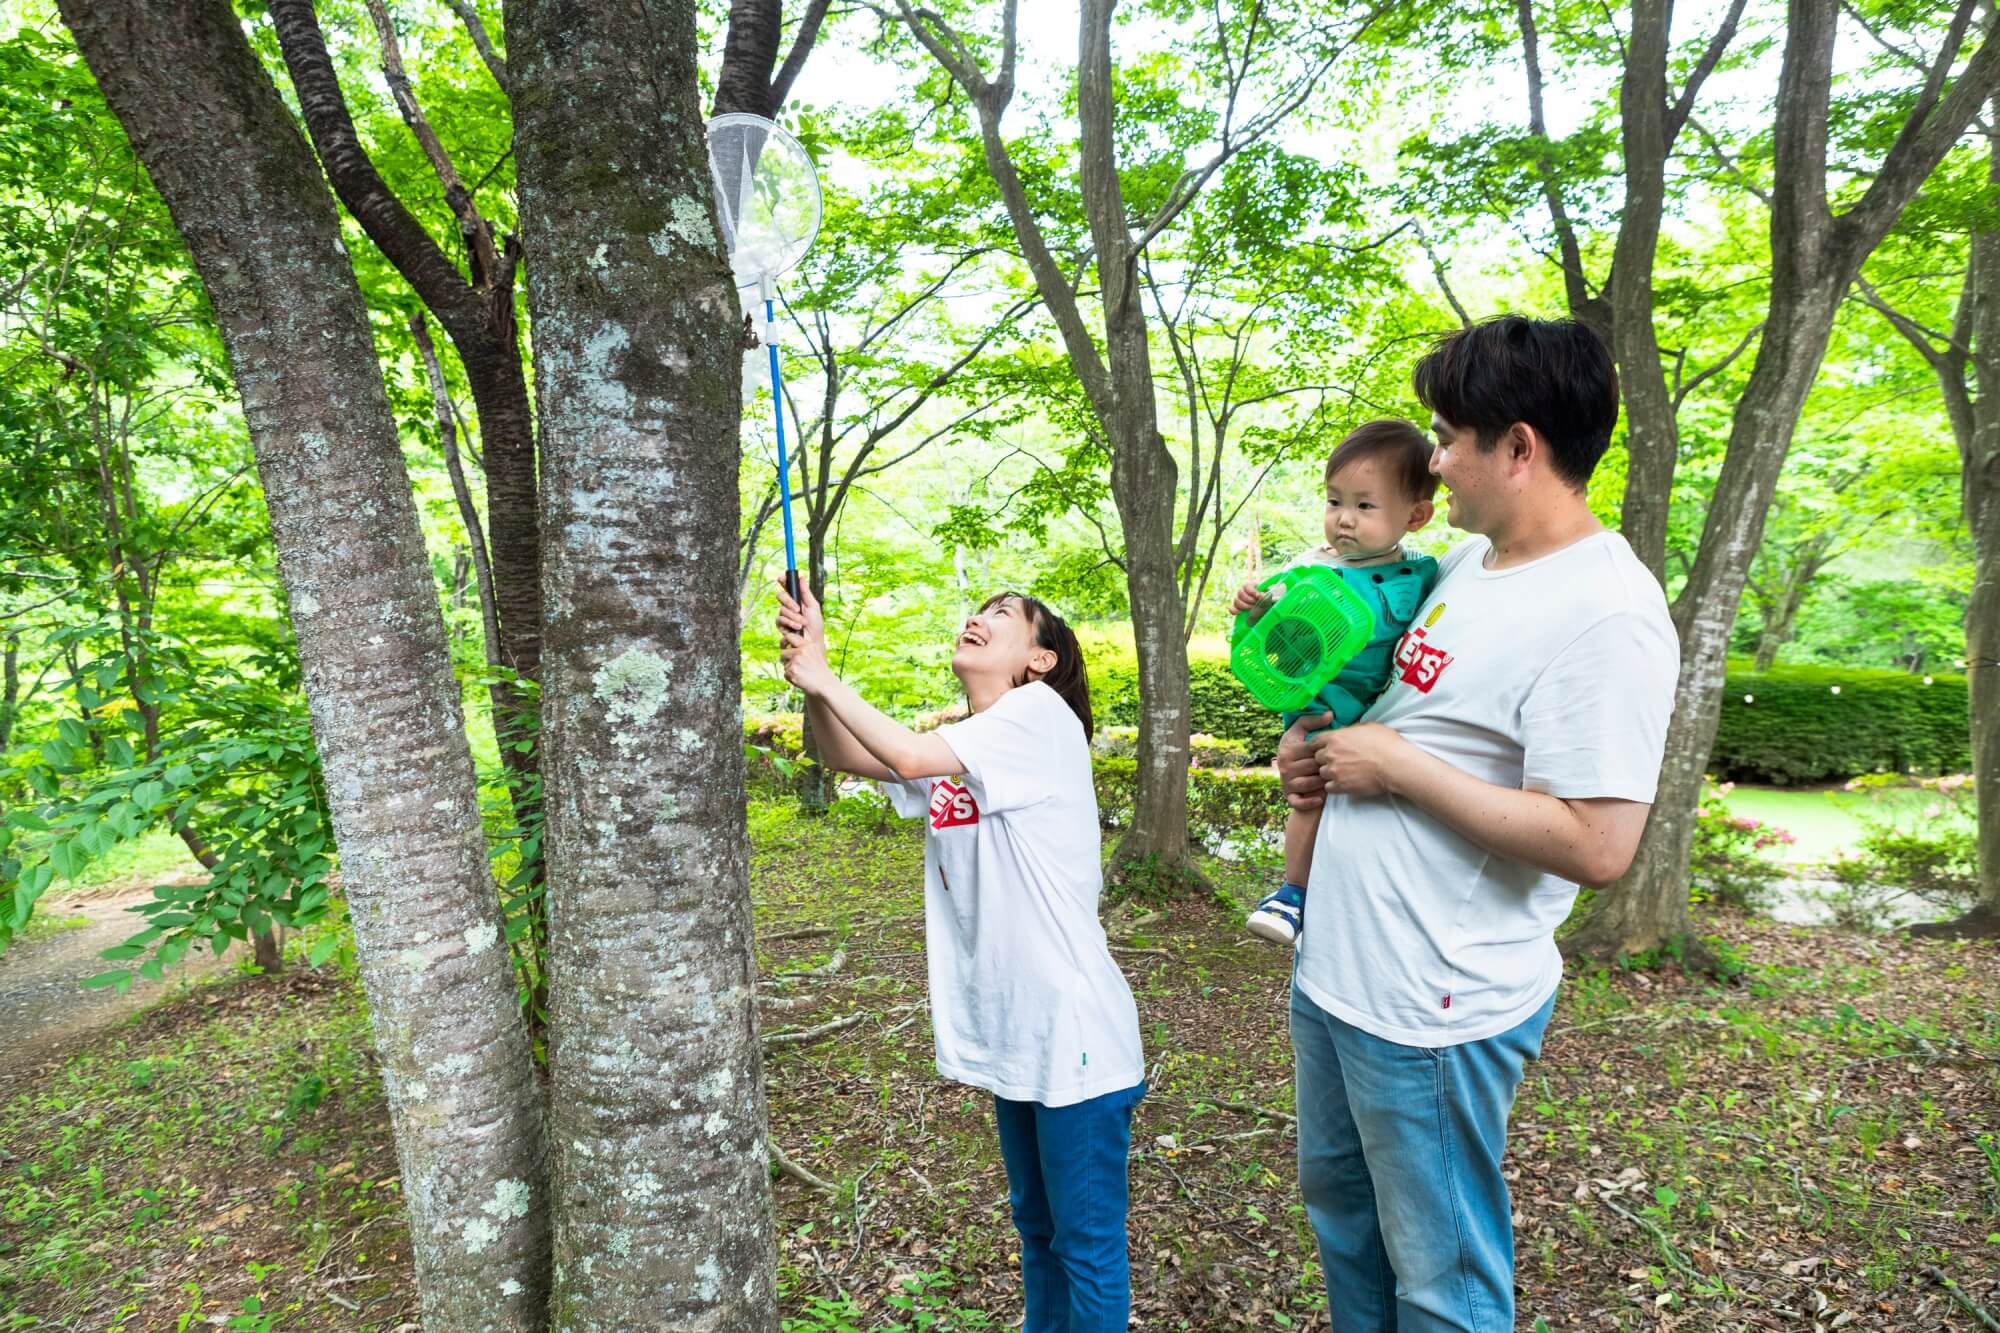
{"x":1825,"y":820}
{"x":1815,"y":1145}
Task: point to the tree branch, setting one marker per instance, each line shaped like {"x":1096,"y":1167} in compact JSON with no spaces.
{"x":1683,"y":107}
{"x":1934,"y":124}
{"x":478,"y":233}
{"x":802,"y":45}
{"x":360,"y":187}
{"x":1576,"y":283}
{"x":990,"y":101}
{"x":1682,"y":390}
{"x":481,"y":42}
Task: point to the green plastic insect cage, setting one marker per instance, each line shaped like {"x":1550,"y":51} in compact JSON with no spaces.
{"x":1302,"y":640}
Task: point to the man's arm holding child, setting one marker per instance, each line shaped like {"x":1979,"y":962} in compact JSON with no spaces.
{"x":1590,"y":841}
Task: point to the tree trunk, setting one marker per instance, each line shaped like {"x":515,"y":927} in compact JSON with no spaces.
{"x":1782,"y":613}
{"x":10,"y":687}
{"x":1982,"y":630}
{"x":1648,"y":908}
{"x":243,"y":191}
{"x":1816,"y":256}
{"x":1143,"y":481}
{"x":747,"y":81}
{"x":1143,"y":472}
{"x":1969,"y":374}
{"x":658,"y":1121}
{"x":1652,"y":431}
{"x":478,"y":317}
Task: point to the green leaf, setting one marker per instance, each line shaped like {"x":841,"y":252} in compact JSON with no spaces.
{"x":178,"y":775}
{"x":153,"y":970}
{"x":1666,"y":1196}
{"x":68,"y":858}
{"x":119,"y":977}
{"x":98,"y":838}
{"x":57,"y":754}
{"x":118,"y":750}
{"x":148,"y":794}
{"x":122,"y":953}
{"x":74,"y":733}
{"x":44,"y":782}
{"x":322,"y":951}
{"x":126,"y":818}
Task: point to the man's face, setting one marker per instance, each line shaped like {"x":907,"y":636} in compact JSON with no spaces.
{"x":1471,"y":476}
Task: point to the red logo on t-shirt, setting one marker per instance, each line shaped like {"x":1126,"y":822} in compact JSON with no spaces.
{"x":951,"y":804}
{"x":1422,"y":662}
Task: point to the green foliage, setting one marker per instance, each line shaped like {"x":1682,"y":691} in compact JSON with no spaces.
{"x":1203,"y":751}
{"x":1224,"y":807}
{"x":1729,"y":860}
{"x":1821,"y":724}
{"x":235,"y":763}
{"x":1925,"y":855}
{"x":924,"y":1300}
{"x":1221,"y":707}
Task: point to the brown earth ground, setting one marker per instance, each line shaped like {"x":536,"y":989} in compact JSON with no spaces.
{"x":1813,"y":1145}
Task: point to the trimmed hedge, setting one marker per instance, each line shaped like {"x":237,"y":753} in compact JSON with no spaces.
{"x":1221,"y":706}
{"x":1797,"y":729}
{"x":1222,"y":804}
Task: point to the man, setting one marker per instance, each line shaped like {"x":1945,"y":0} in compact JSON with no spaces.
{"x":1512,"y":757}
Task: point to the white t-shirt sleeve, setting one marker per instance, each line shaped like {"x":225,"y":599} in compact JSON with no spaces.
{"x":911,"y":800}
{"x":1005,"y":749}
{"x":1594,"y":724}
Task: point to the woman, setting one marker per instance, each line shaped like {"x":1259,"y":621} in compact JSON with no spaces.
{"x":1026,"y":1001}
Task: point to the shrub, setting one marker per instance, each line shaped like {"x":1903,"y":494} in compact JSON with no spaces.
{"x":1729,"y":862}
{"x":1203,"y":751}
{"x":1823,"y":724}
{"x":1222,"y":805}
{"x":1930,"y":862}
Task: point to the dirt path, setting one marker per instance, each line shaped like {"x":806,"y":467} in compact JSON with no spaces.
{"x":43,"y":1009}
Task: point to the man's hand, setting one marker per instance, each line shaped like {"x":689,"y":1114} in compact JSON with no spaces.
{"x":1298,"y":764}
{"x":1358,"y":760}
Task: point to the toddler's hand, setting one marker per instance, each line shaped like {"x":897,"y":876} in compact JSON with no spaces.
{"x":1247,"y":596}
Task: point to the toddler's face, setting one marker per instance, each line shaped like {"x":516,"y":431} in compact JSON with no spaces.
{"x":1367,"y":510}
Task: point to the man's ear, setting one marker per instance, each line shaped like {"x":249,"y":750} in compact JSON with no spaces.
{"x":1524,"y":444}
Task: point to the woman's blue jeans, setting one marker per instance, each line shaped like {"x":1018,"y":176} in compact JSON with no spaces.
{"x":1066,"y":1182}
{"x":1399,"y":1165}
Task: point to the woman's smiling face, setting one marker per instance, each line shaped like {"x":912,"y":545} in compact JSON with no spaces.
{"x":998,"y":640}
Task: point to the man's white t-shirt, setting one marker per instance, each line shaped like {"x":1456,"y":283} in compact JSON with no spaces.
{"x":1026,"y":1000}
{"x":1554,"y":676}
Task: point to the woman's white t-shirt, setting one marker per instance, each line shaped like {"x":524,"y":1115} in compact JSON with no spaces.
{"x":1026,"y":1000}
{"x":1554,"y":676}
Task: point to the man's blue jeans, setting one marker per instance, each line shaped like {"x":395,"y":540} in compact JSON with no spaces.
{"x":1399,"y":1164}
{"x":1067,"y":1184}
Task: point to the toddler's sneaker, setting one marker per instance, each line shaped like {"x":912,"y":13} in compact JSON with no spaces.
{"x":1280,"y":917}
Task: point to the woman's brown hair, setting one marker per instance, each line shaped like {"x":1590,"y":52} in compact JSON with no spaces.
{"x":1066,"y":677}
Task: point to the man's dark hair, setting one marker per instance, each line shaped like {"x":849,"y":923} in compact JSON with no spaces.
{"x":1552,"y":374}
{"x":1404,"y":449}
{"x":1066,"y":677}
